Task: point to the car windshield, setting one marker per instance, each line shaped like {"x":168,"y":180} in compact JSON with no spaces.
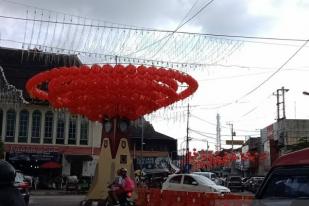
{"x":19,"y":177}
{"x":288,"y":187}
{"x":205,"y":180}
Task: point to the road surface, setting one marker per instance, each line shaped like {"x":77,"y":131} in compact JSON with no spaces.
{"x":56,"y":200}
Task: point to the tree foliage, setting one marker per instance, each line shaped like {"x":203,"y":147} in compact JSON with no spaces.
{"x":303,"y":142}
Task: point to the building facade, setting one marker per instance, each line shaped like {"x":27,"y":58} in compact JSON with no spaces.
{"x":45,"y":142}
{"x":280,"y":138}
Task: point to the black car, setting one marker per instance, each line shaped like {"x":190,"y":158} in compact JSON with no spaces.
{"x":253,"y":183}
{"x":234,"y":183}
{"x":23,"y":186}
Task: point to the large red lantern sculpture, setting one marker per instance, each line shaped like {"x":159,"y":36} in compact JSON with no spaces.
{"x":111,"y":92}
{"x":110,"y":95}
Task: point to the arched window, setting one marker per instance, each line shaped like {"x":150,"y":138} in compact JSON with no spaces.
{"x":84,"y":124}
{"x":36,"y":126}
{"x":10,"y":125}
{"x":48,"y":127}
{"x":60,"y":128}
{"x":72,"y":129}
{"x":23,"y":126}
{"x":1,"y":121}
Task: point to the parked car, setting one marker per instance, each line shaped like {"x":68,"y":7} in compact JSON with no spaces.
{"x":234,"y":183}
{"x":287,"y":183}
{"x":72,"y":183}
{"x":23,"y":186}
{"x":84,"y":183}
{"x":192,"y":183}
{"x":154,"y":178}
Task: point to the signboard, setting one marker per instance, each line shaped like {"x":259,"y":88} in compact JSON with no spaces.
{"x":234,"y":142}
{"x":153,"y":162}
{"x":46,"y":156}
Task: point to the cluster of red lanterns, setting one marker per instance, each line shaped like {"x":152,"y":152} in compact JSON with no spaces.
{"x":108,"y":91}
{"x":210,"y":160}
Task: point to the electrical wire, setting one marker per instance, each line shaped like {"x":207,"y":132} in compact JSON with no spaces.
{"x":274,"y":73}
{"x":164,"y":31}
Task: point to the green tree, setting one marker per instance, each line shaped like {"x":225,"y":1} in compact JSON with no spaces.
{"x":303,"y":142}
{"x":1,"y":149}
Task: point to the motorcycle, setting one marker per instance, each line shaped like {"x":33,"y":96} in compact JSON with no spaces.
{"x":124,"y":200}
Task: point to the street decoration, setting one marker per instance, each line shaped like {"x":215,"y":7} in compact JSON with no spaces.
{"x":112,"y":95}
{"x":107,"y":91}
{"x":209,"y":160}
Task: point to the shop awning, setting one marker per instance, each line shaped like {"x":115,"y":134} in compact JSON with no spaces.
{"x":50,"y":165}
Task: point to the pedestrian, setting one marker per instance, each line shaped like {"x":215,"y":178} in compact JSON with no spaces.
{"x":36,"y":182}
{"x":9,"y":195}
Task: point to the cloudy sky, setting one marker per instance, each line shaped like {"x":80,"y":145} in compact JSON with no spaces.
{"x":232,"y":80}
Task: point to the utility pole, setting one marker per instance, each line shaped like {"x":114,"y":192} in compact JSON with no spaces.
{"x":187,"y":140}
{"x":232,"y":134}
{"x":281,"y":102}
{"x":218,"y":146}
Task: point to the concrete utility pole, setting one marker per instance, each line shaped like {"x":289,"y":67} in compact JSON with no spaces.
{"x":187,"y":139}
{"x":232,"y":134}
{"x":281,"y":93}
{"x":218,"y":146}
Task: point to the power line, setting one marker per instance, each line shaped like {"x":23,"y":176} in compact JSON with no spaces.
{"x":274,"y":73}
{"x":173,"y":32}
{"x":267,"y":79}
{"x":162,"y":30}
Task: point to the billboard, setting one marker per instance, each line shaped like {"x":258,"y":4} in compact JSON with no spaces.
{"x":234,"y":142}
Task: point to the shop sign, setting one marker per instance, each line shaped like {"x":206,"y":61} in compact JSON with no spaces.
{"x":153,"y":162}
{"x":32,"y":149}
{"x":34,"y":157}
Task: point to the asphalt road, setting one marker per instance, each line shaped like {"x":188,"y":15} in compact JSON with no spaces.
{"x":56,"y":200}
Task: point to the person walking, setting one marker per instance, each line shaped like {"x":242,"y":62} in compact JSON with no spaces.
{"x":36,"y":182}
{"x":9,"y":195}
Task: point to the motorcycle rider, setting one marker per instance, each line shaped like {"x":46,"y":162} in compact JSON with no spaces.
{"x":9,"y":195}
{"x":115,"y":187}
{"x":121,"y":185}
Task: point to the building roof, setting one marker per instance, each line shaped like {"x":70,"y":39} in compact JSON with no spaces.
{"x":20,"y":65}
{"x":149,"y":133}
{"x":300,"y":157}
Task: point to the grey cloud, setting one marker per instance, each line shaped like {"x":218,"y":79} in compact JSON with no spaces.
{"x":222,"y":16}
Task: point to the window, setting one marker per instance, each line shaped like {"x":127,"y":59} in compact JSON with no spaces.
{"x":72,"y":130}
{"x":36,"y":127}
{"x":176,"y":180}
{"x":23,"y":126}
{"x":188,"y":180}
{"x":48,"y":127}
{"x":10,"y":125}
{"x":288,"y":183}
{"x":84,"y":131}
{"x":289,"y":187}
{"x":1,"y":121}
{"x":60,"y":128}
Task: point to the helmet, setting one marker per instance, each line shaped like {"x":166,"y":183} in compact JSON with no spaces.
{"x":123,"y":171}
{"x":7,"y":173}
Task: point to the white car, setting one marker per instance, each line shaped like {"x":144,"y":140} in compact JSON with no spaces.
{"x":192,"y":183}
